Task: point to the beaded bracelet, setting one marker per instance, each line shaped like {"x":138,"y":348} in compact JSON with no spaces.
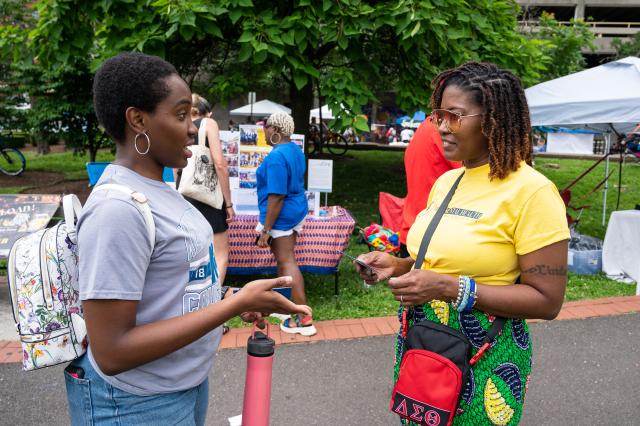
{"x":458,"y":300}
{"x":467,"y":290}
{"x":472,"y":296}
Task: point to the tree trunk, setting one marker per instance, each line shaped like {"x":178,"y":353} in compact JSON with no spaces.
{"x":42,"y":143}
{"x":301,"y":104}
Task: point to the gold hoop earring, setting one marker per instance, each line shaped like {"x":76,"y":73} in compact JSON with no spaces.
{"x":271,"y":138}
{"x":135,"y":144}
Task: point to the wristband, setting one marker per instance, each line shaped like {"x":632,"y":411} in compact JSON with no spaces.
{"x":468,"y":307}
{"x":230,"y":205}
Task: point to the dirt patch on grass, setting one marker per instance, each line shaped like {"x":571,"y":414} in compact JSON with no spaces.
{"x":47,"y":182}
{"x":31,"y":178}
{"x":79,"y":187}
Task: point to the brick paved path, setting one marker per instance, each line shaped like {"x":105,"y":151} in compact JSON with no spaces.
{"x":379,"y":326}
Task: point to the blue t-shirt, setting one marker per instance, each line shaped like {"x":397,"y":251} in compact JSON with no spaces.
{"x":282,"y":172}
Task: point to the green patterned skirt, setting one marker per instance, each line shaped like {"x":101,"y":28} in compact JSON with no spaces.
{"x":494,"y":392}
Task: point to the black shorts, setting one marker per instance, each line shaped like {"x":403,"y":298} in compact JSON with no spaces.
{"x":217,"y":218}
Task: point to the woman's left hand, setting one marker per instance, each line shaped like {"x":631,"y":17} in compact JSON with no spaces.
{"x":419,"y":286}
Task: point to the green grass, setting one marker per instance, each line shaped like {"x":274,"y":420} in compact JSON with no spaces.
{"x":357,"y":181}
{"x":12,"y":189}
{"x":73,"y":166}
{"x":591,"y":220}
{"x":596,"y":286}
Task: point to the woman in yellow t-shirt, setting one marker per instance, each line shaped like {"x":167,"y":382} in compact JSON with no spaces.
{"x":505,"y":224}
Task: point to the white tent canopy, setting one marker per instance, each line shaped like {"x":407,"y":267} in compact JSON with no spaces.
{"x":598,"y":98}
{"x":327,"y":114}
{"x":594,"y":98}
{"x":261,"y":108}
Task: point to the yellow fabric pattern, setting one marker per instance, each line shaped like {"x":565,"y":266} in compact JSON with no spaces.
{"x":489,"y":223}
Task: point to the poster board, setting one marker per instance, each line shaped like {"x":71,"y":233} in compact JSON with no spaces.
{"x":320,"y":176}
{"x":22,"y":214}
{"x":252,"y":149}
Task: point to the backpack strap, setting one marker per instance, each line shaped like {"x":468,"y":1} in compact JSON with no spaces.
{"x":140,"y":201}
{"x":71,"y":208}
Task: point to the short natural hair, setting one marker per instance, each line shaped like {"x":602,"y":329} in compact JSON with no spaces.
{"x":283,"y":121}
{"x":506,"y":122}
{"x":129,"y":80}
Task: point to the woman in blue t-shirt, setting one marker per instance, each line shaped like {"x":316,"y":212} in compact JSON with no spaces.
{"x":283,"y":207}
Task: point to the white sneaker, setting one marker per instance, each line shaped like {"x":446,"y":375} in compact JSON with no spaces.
{"x":308,"y":330}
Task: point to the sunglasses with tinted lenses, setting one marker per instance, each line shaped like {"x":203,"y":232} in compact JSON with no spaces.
{"x":452,"y":120}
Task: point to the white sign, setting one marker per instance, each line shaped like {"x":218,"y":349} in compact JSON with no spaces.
{"x":320,"y":175}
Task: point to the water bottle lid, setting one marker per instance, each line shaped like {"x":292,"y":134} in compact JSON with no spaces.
{"x":260,"y":345}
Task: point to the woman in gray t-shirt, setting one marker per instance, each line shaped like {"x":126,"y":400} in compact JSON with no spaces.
{"x":153,"y":311}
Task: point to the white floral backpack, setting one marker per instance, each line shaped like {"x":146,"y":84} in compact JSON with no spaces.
{"x":43,"y":286}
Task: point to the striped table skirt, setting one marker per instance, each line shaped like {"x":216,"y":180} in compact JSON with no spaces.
{"x":318,"y":248}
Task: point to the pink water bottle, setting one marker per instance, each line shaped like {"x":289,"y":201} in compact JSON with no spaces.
{"x":257,"y":386}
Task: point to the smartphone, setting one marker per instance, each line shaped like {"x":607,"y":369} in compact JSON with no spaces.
{"x":268,"y":239}
{"x":285,"y":291}
{"x":368,"y":268}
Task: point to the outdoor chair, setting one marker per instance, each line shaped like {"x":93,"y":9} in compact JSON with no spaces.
{"x":390,"y":208}
{"x":95,"y":169}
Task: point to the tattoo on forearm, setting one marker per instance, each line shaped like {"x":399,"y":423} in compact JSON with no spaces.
{"x":547,"y":270}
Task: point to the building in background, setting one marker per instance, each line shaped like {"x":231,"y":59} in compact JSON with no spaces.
{"x":608,"y":19}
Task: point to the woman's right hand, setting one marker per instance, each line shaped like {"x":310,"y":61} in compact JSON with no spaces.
{"x":231,"y":214}
{"x":257,"y":296}
{"x":383,"y":264}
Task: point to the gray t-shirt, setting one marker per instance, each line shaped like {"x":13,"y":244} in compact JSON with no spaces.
{"x":177,"y":277}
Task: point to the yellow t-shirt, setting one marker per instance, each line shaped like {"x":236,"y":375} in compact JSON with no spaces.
{"x":489,"y":223}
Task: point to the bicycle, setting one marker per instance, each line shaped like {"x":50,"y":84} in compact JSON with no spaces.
{"x":335,"y":142}
{"x":12,"y":162}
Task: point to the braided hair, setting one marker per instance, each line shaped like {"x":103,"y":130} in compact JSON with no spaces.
{"x":505,"y":122}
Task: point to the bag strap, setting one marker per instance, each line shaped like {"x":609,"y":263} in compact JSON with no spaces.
{"x":202,"y":131}
{"x":140,"y":201}
{"x":71,"y":208}
{"x":426,"y":239}
{"x":498,"y":322}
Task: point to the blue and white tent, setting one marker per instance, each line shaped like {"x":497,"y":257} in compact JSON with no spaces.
{"x":605,"y":98}
{"x":597,"y":98}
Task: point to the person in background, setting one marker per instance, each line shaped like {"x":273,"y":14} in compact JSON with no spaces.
{"x":153,"y":311}
{"x":219,"y":219}
{"x":390,"y":135}
{"x":500,"y":249}
{"x":283,"y":207}
{"x":406,"y":134}
{"x":424,"y":162}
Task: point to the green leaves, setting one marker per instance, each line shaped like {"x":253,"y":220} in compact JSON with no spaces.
{"x":358,"y":51}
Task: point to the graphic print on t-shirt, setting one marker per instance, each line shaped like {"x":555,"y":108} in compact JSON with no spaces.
{"x":190,"y":237}
{"x":203,"y":287}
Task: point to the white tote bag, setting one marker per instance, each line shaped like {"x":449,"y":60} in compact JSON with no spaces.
{"x":199,"y":179}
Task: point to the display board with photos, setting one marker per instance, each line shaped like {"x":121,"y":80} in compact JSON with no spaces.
{"x":244,"y":151}
{"x":22,"y":214}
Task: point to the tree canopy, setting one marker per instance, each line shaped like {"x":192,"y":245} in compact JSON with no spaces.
{"x":353,"y":50}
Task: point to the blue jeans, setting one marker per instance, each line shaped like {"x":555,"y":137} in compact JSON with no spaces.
{"x":92,"y":401}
